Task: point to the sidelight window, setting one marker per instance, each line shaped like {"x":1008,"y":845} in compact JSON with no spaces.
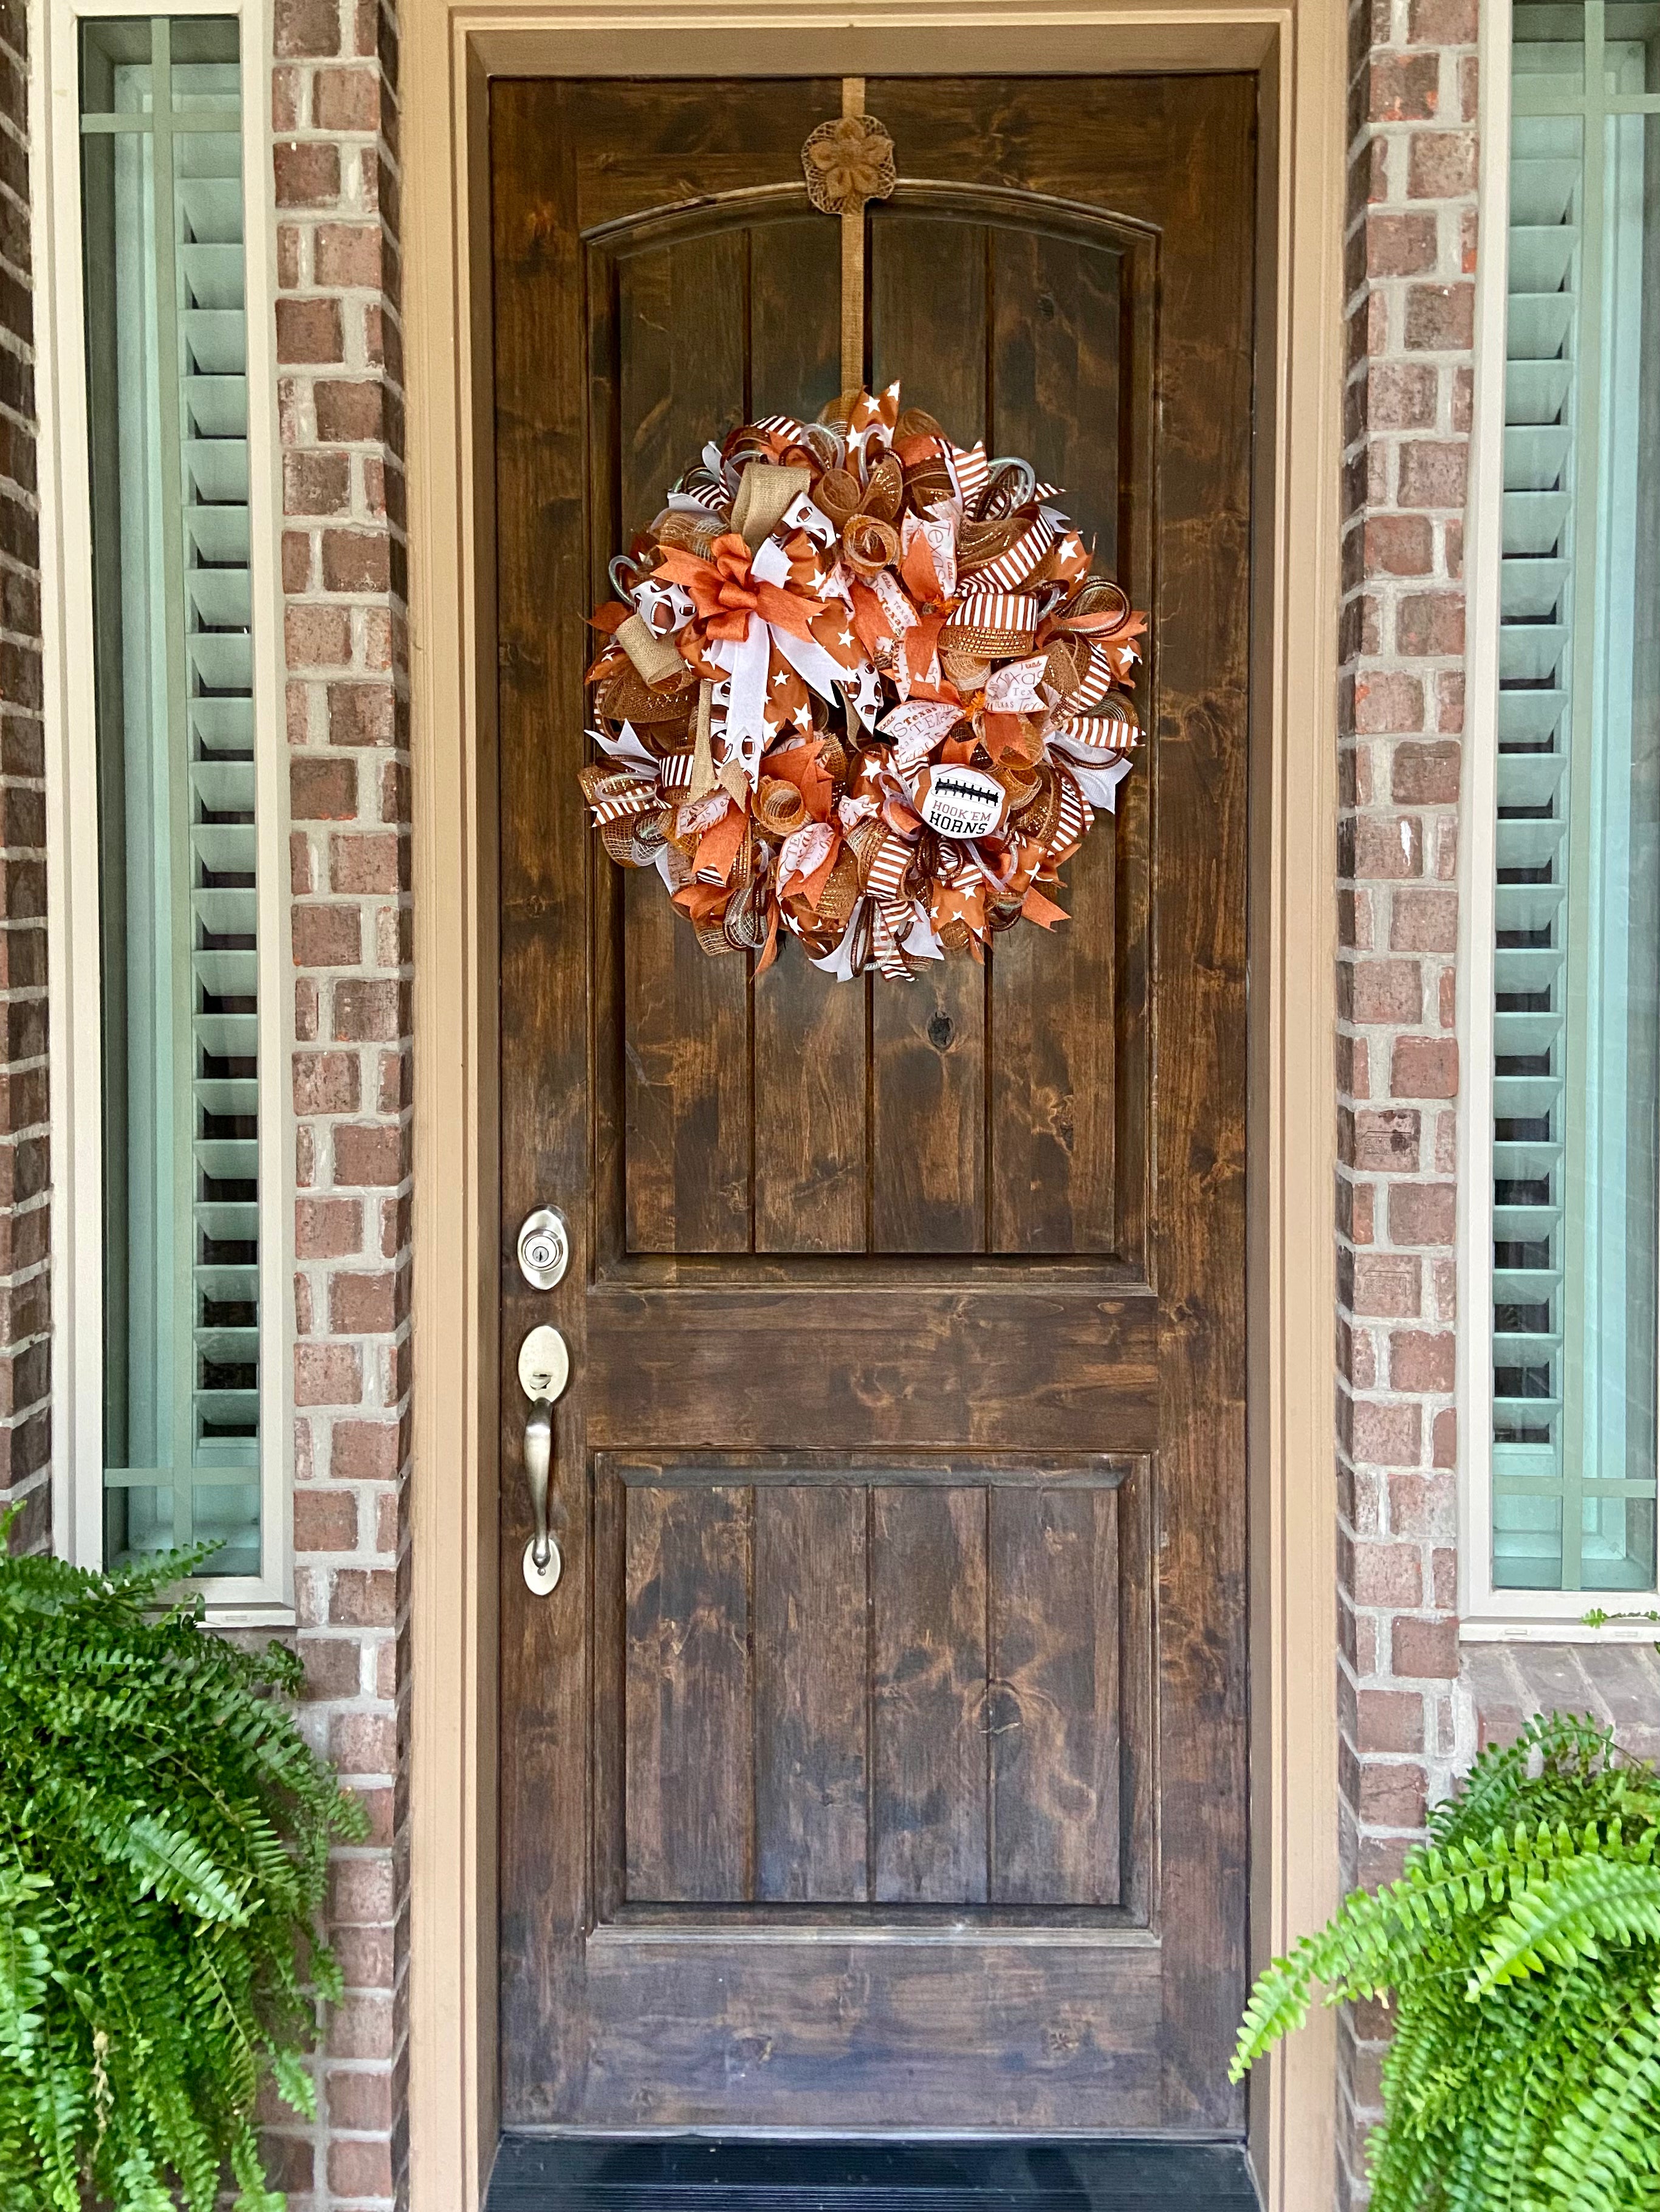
{"x":1565,"y":799}
{"x":174,"y":944}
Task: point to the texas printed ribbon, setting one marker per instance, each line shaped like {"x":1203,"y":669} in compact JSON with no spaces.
{"x":859,"y":685}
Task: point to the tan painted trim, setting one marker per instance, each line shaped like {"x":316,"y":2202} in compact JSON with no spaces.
{"x":450,"y":50}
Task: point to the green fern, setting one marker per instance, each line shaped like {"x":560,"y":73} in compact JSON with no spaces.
{"x":1520,"y":1951}
{"x":165,"y":1833}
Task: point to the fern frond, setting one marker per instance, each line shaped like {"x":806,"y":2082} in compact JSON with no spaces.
{"x":1564,"y":1916}
{"x":1520,"y":1951}
{"x":165,"y":1836}
{"x":1605,"y":2149}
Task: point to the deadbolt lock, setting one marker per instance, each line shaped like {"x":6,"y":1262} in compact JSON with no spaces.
{"x":544,"y":1247}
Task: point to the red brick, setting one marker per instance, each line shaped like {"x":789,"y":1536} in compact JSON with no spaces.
{"x":1401,"y":395}
{"x":1425,"y":774}
{"x":361,"y":713}
{"x":317,"y":637}
{"x":1444,"y":1445}
{"x":362,"y":1894}
{"x":1399,"y":545}
{"x":360,"y":1305}
{"x":1393,"y":1794}
{"x":323,"y":790}
{"x":324,"y":1521}
{"x":1440,"y":317}
{"x":307,"y":174}
{"x":1382,"y":1141}
{"x":364,"y":1597}
{"x":327,"y":1375}
{"x":370,"y":1011}
{"x":347,"y":255}
{"x":1441,"y":165}
{"x":366,"y":1451}
{"x":327,"y":1228}
{"x":363,"y":1743}
{"x":1385,"y":703}
{"x":333,"y":1667}
{"x":1403,"y":88}
{"x":368,"y":1157}
{"x":1422,"y":1506}
{"x":1399,"y":245}
{"x":370,"y":863}
{"x":309,"y":330}
{"x":1433,"y":472}
{"x":1430,"y":623}
{"x":1384,"y":1574}
{"x":1424,"y":922}
{"x":359,"y":2100}
{"x":1387,"y":991}
{"x":1389,"y":1720}
{"x":1354,"y":920}
{"x":306,"y":27}
{"x":356,"y":561}
{"x":1424,"y":1067}
{"x":360,"y":2026}
{"x":326,"y":1083}
{"x":1425,"y":1650}
{"x":1387,"y":1284}
{"x":290,"y":2162}
{"x":1443,"y":22}
{"x":346,"y":99}
{"x":327,"y":936}
{"x":1420,"y":1360}
{"x":316,"y":484}
{"x":1384,"y":1435}
{"x":348,"y":413}
{"x":286,"y":88}
{"x":1422,"y":1214}
{"x":1382,"y":847}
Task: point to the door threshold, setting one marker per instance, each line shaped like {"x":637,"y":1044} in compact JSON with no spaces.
{"x":712,"y":2173}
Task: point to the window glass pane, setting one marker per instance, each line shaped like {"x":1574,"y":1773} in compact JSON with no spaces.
{"x":167,"y":332}
{"x":1576,"y":959}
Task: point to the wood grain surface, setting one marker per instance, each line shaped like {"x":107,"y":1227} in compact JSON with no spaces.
{"x":881,"y":1760}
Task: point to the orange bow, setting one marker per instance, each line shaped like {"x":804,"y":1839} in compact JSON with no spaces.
{"x":726,"y":594}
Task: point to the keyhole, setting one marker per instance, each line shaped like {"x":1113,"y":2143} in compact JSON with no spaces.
{"x":940,"y":1032}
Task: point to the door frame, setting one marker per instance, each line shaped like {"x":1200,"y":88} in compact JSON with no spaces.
{"x":450,"y":48}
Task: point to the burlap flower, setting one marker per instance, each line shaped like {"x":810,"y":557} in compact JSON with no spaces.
{"x":848,"y":162}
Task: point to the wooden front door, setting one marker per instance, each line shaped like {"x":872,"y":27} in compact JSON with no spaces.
{"x":880,"y":1761}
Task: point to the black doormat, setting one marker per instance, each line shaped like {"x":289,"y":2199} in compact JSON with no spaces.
{"x":697,"y":2174}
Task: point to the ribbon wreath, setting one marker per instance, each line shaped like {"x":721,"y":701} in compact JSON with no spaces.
{"x":859,"y":686}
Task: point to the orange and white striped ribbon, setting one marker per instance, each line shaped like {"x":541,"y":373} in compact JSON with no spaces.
{"x":1014,"y":611}
{"x":1097,"y":733}
{"x":1013,"y":567}
{"x":1072,"y":822}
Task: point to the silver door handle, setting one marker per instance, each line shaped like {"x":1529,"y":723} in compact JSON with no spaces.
{"x":543,"y":1563}
{"x":544,"y":1370}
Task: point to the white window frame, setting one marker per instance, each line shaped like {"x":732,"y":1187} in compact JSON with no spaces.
{"x":1488,"y":1614}
{"x":74,"y":955}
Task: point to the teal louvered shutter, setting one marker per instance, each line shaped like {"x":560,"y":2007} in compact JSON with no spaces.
{"x":166,"y":343}
{"x":1574,"y":1334}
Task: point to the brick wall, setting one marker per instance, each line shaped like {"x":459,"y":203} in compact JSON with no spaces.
{"x":335,"y":120}
{"x":1410,"y":258}
{"x":25,"y":1284}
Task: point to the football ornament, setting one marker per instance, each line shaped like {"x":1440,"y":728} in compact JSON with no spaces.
{"x":961,"y":802}
{"x":859,"y":686}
